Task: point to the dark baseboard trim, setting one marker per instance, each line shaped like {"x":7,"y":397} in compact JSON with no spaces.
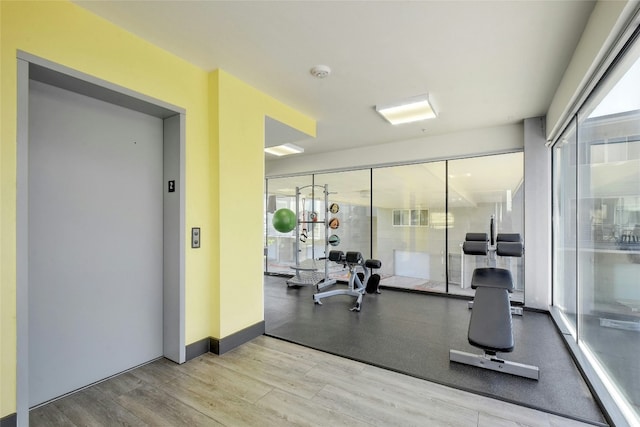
{"x":197,"y":348}
{"x":9,"y":421}
{"x":221,"y":346}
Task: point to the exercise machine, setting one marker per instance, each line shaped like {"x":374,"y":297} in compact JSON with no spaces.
{"x":483,"y":244}
{"x":490,"y":327}
{"x":357,"y":286}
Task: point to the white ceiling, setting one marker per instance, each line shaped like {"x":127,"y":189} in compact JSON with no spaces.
{"x":483,"y":63}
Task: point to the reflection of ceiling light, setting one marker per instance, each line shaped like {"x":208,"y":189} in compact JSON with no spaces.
{"x":414,"y":109}
{"x":284,"y":150}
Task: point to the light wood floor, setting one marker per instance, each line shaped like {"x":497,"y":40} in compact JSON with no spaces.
{"x":269,"y":382}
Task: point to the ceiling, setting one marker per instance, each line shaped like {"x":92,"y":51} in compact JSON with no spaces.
{"x":483,"y":63}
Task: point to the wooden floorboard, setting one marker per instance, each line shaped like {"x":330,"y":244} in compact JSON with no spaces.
{"x":270,"y":382}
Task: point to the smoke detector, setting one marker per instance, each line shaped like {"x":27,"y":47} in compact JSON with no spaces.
{"x":320,"y":71}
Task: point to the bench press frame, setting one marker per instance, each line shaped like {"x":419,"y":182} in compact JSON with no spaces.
{"x":494,"y":363}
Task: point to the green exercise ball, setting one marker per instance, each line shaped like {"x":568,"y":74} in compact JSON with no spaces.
{"x":284,"y":220}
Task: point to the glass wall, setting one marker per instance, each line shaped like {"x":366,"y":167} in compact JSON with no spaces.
{"x":409,"y":225}
{"x":604,"y":214}
{"x":402,"y":216}
{"x":479,"y":188}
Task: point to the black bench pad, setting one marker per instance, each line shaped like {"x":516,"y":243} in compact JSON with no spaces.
{"x":490,"y":326}
{"x":493,"y":278}
{"x":336,"y":256}
{"x":373,"y":263}
{"x":354,"y":257}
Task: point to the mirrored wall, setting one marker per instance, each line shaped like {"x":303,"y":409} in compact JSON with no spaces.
{"x":280,"y":248}
{"x":409,"y":232}
{"x":480,"y":188}
{"x":413,"y":218}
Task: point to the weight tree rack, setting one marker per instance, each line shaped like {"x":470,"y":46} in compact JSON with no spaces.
{"x":307,"y":273}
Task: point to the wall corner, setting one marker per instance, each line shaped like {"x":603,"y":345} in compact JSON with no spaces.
{"x":537,"y":214}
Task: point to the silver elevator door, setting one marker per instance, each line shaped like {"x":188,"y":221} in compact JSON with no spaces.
{"x":95,"y":240}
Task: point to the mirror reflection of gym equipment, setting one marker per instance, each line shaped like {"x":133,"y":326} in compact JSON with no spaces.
{"x":360,"y":277}
{"x":397,"y":215}
{"x":359,"y":282}
{"x":308,"y":273}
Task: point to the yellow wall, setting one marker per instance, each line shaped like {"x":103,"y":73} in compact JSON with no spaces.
{"x":66,"y":34}
{"x":237,"y":119}
{"x":224,"y":162}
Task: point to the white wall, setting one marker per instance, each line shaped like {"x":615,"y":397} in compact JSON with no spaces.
{"x":423,"y":240}
{"x":459,"y":144}
{"x":537,"y":215}
{"x":603,"y":29}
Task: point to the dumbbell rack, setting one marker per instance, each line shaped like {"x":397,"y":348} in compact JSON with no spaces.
{"x":307,"y":273}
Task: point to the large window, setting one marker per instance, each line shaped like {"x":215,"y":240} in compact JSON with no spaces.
{"x":597,"y":232}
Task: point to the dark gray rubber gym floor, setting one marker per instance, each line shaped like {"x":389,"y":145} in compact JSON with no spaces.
{"x":412,"y":333}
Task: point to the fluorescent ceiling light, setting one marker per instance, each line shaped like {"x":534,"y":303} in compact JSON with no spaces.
{"x":284,"y":150}
{"x":414,"y":109}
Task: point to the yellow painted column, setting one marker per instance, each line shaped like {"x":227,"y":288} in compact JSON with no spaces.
{"x":237,"y":123}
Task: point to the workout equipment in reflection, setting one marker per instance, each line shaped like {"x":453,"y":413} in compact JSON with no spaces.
{"x":334,"y":240}
{"x":284,"y":220}
{"x":490,"y":327}
{"x":315,"y":270}
{"x":359,"y":281}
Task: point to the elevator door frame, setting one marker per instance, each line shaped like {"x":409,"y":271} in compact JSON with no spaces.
{"x":36,"y":68}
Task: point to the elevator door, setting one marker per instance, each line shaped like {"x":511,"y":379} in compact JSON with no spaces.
{"x":95,"y":240}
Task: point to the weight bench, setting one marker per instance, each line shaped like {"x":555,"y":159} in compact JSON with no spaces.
{"x":356,"y":286}
{"x":507,"y":245}
{"x":490,"y":327}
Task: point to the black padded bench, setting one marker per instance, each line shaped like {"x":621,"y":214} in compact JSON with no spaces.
{"x":490,"y":326}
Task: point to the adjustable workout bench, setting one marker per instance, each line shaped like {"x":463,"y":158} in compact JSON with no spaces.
{"x":490,"y":326}
{"x":510,"y":245}
{"x":356,"y":287}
